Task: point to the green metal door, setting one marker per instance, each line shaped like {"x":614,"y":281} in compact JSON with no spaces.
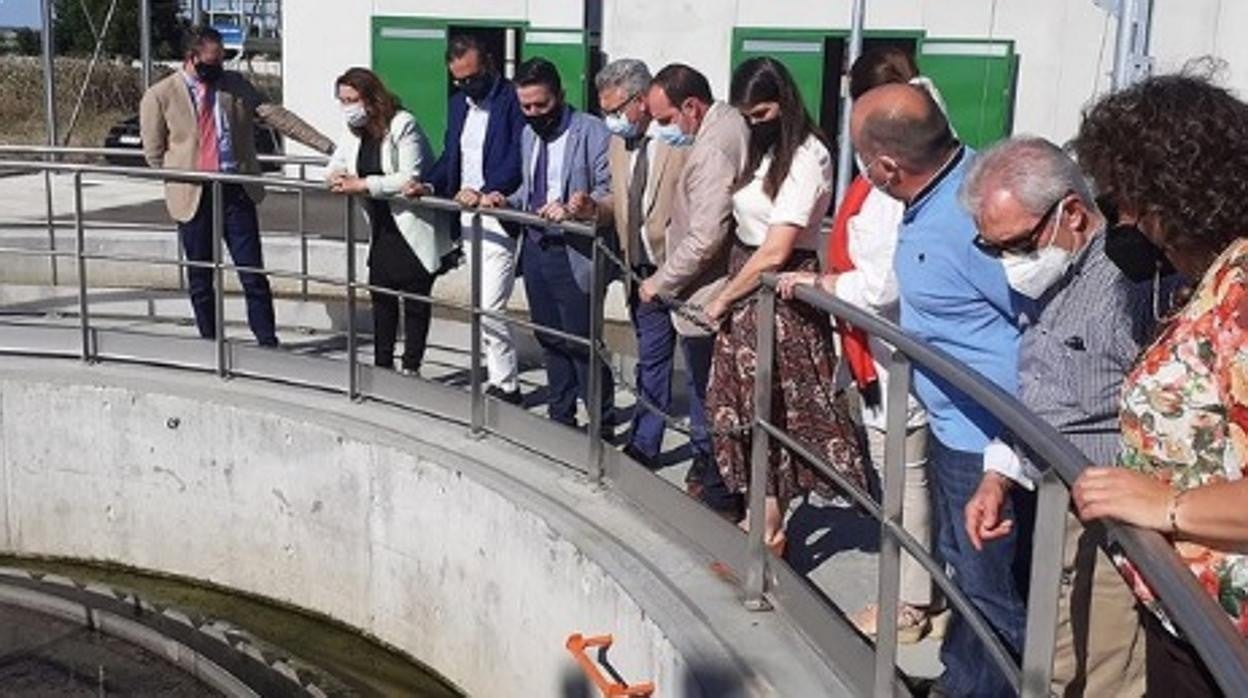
{"x":976,"y":78}
{"x":800,"y":51}
{"x":569,"y":51}
{"x":409,"y":53}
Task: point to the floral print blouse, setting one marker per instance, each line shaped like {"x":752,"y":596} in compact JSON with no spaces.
{"x":1185,"y":417}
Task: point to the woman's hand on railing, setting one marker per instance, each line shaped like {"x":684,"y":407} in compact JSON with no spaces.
{"x":415,"y":190}
{"x":342,"y":183}
{"x":787,"y":283}
{"x":468,"y":198}
{"x":1124,"y":495}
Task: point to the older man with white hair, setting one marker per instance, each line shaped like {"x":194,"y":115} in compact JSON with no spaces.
{"x":1084,"y":324}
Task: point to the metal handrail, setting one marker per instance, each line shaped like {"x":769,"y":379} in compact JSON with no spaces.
{"x":1202,"y":621}
{"x":18,"y":149}
{"x":765,"y":584}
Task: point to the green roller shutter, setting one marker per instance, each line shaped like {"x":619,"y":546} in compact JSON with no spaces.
{"x":800,"y":51}
{"x":976,"y":78}
{"x":409,"y":54}
{"x":569,"y":51}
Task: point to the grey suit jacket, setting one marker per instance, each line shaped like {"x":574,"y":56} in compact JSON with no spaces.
{"x":702,"y":227}
{"x":585,"y":169}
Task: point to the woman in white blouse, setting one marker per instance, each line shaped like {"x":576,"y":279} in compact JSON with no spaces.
{"x":381,"y":149}
{"x":779,"y":204}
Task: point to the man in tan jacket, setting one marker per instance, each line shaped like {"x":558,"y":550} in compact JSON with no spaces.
{"x":203,"y":118}
{"x":644,"y":173}
{"x":699,"y":235}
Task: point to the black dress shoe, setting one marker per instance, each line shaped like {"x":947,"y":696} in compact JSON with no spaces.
{"x":511,"y":397}
{"x":648,"y":462}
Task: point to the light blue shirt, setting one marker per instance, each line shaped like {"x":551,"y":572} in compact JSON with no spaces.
{"x":225,"y":142}
{"x":956,"y":298}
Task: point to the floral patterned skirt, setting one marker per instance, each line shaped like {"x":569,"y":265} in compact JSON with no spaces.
{"x":804,"y":402}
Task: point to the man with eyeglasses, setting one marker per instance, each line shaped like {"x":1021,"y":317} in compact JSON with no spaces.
{"x":1084,"y":324}
{"x":955,"y":297}
{"x":481,"y":153}
{"x":644,"y":172}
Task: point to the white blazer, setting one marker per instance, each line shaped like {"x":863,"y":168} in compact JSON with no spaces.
{"x":405,"y":155}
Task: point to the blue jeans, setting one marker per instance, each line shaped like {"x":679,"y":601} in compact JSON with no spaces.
{"x":990,"y":579}
{"x":241,"y":234}
{"x":555,"y":301}
{"x":656,"y":345}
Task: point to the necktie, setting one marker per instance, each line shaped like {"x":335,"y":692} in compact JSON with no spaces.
{"x":538,"y":188}
{"x":209,"y":156}
{"x":636,"y":210}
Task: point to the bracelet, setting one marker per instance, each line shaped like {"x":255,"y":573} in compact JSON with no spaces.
{"x":1172,"y":512}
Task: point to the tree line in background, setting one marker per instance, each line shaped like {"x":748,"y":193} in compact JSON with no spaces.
{"x":78,"y":23}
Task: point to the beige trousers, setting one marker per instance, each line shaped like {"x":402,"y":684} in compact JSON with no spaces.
{"x":1100,"y":643}
{"x":916,"y":512}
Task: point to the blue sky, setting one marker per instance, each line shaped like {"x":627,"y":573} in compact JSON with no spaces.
{"x":19,"y":13}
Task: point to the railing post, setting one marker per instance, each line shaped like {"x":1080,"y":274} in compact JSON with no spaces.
{"x":1048,"y":557}
{"x":303,"y":235}
{"x":218,"y":277}
{"x":756,"y":551}
{"x":593,"y":391}
{"x":894,"y":479}
{"x":80,"y":249}
{"x":353,"y":373}
{"x":476,"y":389}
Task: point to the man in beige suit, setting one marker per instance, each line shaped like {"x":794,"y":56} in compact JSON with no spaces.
{"x":203,"y":118}
{"x":644,"y":173}
{"x":699,"y":235}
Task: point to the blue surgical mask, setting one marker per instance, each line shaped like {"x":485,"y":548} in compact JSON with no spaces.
{"x":673,"y":136}
{"x":621,"y":126}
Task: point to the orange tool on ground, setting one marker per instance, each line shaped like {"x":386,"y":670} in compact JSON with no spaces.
{"x":577,"y":644}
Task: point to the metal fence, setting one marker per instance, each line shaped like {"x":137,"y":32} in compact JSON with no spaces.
{"x":768,"y":583}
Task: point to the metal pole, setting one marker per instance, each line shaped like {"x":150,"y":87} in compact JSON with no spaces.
{"x":474,"y":377}
{"x":594,"y":390}
{"x":845,"y":154}
{"x":303,"y":235}
{"x":199,"y":12}
{"x":80,"y":248}
{"x":353,"y":373}
{"x":1131,"y":60}
{"x":894,"y":477}
{"x":218,"y":277}
{"x":49,"y":107}
{"x":145,"y":40}
{"x":756,"y":550}
{"x":1046,"y":585}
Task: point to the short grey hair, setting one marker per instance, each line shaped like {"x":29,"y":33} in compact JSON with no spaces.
{"x":629,"y":74}
{"x":1036,"y":171}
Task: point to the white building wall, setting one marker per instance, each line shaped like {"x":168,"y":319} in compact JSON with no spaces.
{"x":1066,"y":47}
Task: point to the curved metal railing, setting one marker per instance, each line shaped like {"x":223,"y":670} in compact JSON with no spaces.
{"x":767,"y":582}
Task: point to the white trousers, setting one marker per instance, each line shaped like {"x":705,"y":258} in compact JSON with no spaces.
{"x":498,"y":278}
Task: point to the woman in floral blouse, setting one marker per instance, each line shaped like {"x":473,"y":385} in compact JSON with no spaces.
{"x":1173,"y":152}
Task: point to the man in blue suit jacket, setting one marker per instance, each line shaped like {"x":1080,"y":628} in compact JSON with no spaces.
{"x":563,"y":152}
{"x":481,"y":153}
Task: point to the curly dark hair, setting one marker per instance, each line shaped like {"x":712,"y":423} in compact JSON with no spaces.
{"x":1176,"y":145}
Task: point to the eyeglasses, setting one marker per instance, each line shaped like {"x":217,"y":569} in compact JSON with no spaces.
{"x":619,"y":111}
{"x":459,"y":83}
{"x":1024,"y":244}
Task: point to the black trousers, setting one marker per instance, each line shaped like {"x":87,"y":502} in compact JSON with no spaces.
{"x":416,"y":317}
{"x":1173,"y":668}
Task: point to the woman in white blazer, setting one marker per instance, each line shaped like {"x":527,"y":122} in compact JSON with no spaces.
{"x":381,"y":149}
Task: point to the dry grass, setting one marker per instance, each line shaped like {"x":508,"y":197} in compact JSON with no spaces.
{"x":113,"y":94}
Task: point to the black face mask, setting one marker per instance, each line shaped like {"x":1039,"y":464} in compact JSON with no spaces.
{"x":1137,"y":257}
{"x":765,"y":134}
{"x":209,"y":72}
{"x":477,"y":86}
{"x":545,"y":125}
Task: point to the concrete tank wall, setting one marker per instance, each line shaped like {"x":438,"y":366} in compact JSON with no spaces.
{"x":463,"y":568}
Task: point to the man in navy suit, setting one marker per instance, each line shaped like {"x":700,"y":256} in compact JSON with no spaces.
{"x":481,"y":153}
{"x":563,"y":152}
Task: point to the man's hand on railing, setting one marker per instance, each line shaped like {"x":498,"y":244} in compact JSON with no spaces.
{"x":582,"y":206}
{"x":494,"y":199}
{"x":415,"y":190}
{"x":468,"y":198}
{"x":983,"y":511}
{"x":343,"y":183}
{"x":554,"y":211}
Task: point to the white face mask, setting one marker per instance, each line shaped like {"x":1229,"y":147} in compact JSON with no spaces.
{"x":355,"y":114}
{"x":1033,"y":274}
{"x":673,"y":136}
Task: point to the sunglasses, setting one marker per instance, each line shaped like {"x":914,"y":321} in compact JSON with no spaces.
{"x":1024,"y":244}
